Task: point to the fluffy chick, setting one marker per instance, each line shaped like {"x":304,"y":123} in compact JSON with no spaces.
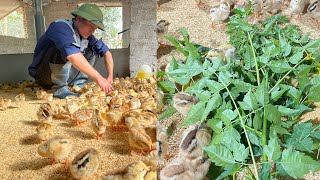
{"x":314,"y":10}
{"x":44,"y":115}
{"x":45,"y":131}
{"x":97,"y":124}
{"x":138,"y":138}
{"x":162,"y":29}
{"x":134,"y":171}
{"x":297,"y":6}
{"x":193,"y":140}
{"x":219,"y":13}
{"x":82,"y":115}
{"x":162,"y":141}
{"x":183,"y":102}
{"x":57,"y":148}
{"x":20,"y":97}
{"x":85,"y":164}
{"x":180,"y":169}
{"x":4,"y":103}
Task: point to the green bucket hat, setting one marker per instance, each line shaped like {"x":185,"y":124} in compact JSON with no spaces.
{"x":92,"y":13}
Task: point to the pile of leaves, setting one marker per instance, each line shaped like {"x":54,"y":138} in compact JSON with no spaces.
{"x":253,"y":102}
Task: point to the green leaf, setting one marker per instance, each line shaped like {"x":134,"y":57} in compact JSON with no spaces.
{"x":240,"y":152}
{"x":167,"y":86}
{"x":215,"y":125}
{"x":227,"y":116}
{"x":276,"y":93}
{"x":249,"y":102}
{"x":261,"y":93}
{"x":296,"y":57}
{"x":254,"y":139}
{"x":296,"y":164}
{"x":273,"y":149}
{"x":257,"y":121}
{"x":176,"y":44}
{"x":293,"y":112}
{"x":280,"y":66}
{"x":314,"y":94}
{"x":272,"y":113}
{"x":220,"y":155}
{"x":278,"y":129}
{"x":242,"y":86}
{"x":167,"y":113}
{"x":214,"y":86}
{"x":181,"y":80}
{"x":214,"y":102}
{"x":194,"y":114}
{"x":264,"y":173}
{"x":300,"y":139}
{"x":229,"y":170}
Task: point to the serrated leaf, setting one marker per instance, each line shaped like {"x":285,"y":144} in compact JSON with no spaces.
{"x":249,"y":102}
{"x":229,"y":170}
{"x":296,"y":164}
{"x":182,"y":80}
{"x":215,"y":125}
{"x":296,"y":57}
{"x":273,"y":149}
{"x":254,"y":139}
{"x":167,"y":113}
{"x":280,"y":66}
{"x":229,"y":137}
{"x":314,"y":94}
{"x":194,"y":114}
{"x":264,"y":173}
{"x":214,"y":86}
{"x":261,"y":93}
{"x":293,"y":112}
{"x":276,"y":93}
{"x":272,"y":113}
{"x":167,"y":86}
{"x":278,"y":129}
{"x":227,"y":116}
{"x":300,"y":139}
{"x":220,"y":155}
{"x":257,"y":121}
{"x":240,"y":152}
{"x":214,"y":102}
{"x":242,"y":86}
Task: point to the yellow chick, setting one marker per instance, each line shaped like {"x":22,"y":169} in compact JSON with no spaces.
{"x":219,"y":13}
{"x":183,"y":102}
{"x":134,"y":171}
{"x":45,"y":131}
{"x":193,"y":140}
{"x":115,"y":119}
{"x":20,"y":97}
{"x":134,"y":103}
{"x":57,"y":148}
{"x":149,"y":104}
{"x":85,"y":164}
{"x":60,"y":112}
{"x":4,"y":103}
{"x":138,"y":139}
{"x":97,"y":124}
{"x":82,"y":115}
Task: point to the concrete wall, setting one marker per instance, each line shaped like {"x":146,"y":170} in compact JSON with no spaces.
{"x":14,"y":67}
{"x":143,"y":43}
{"x":13,"y":45}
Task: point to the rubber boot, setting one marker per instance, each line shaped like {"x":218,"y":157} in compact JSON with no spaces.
{"x":59,"y":77}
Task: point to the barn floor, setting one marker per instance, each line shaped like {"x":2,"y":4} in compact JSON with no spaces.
{"x":18,"y":144}
{"x":197,"y":21}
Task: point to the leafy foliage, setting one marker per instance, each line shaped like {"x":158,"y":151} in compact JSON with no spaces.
{"x":253,"y":102}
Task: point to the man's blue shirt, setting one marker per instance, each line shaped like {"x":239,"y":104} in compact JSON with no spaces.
{"x":60,"y":35}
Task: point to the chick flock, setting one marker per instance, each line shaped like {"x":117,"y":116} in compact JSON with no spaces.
{"x":221,"y":12}
{"x":131,"y":108}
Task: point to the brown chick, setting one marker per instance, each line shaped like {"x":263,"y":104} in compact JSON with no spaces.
{"x":149,"y":104}
{"x":180,"y":169}
{"x":162,"y":141}
{"x":193,"y":140}
{"x":45,"y":131}
{"x":97,"y":124}
{"x":44,"y":115}
{"x":138,"y":138}
{"x":134,"y":171}
{"x":183,"y":102}
{"x":4,"y":103}
{"x":82,"y":115}
{"x":85,"y":164}
{"x":57,"y":148}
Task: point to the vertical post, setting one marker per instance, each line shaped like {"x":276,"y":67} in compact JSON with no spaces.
{"x":39,"y":19}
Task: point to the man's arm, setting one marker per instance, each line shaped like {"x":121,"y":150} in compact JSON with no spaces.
{"x":81,"y":63}
{"x":108,"y":61}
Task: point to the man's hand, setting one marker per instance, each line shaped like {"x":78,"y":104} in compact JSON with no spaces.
{"x":105,"y":84}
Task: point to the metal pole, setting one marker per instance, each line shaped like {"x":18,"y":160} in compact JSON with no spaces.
{"x":39,"y":23}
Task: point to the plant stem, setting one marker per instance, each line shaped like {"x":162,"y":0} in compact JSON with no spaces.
{"x":244,"y":129}
{"x":255,"y":59}
{"x":264,"y":135}
{"x":280,"y":80}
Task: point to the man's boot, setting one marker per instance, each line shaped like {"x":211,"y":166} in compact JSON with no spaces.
{"x":59,"y":77}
